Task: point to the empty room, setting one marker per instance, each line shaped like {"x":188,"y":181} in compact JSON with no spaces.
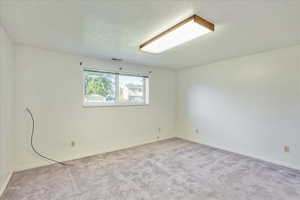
{"x":149,"y":100}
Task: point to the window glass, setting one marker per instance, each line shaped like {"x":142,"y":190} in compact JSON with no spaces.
{"x":105,"y":88}
{"x":99,"y":87}
{"x":131,"y":89}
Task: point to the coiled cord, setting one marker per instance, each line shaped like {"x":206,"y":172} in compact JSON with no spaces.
{"x":31,"y":141}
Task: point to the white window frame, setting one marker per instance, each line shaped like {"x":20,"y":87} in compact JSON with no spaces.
{"x":117,"y":102}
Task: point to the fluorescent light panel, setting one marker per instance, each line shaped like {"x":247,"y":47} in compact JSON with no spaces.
{"x":182,"y":32}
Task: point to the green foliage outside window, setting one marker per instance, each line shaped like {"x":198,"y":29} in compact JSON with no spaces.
{"x":99,"y":85}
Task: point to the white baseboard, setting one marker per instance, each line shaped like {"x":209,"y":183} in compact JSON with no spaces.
{"x":4,"y":184}
{"x":276,"y":162}
{"x":40,"y":163}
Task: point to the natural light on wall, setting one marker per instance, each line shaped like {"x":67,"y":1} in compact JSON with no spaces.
{"x":182,"y":32}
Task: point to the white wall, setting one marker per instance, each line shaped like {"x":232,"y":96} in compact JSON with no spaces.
{"x":7,"y":99}
{"x":249,"y":105}
{"x":50,"y":83}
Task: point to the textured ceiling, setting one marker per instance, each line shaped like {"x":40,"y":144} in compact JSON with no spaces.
{"x":109,"y":28}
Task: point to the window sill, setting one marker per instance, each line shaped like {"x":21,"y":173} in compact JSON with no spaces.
{"x":113,"y":105}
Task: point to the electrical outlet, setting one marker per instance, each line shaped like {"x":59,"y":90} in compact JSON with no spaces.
{"x":73,"y":143}
{"x":286,"y":148}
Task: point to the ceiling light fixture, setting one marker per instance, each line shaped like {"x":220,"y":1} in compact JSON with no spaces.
{"x":182,"y":32}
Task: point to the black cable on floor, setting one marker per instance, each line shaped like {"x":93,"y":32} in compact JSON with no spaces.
{"x":32,"y":145}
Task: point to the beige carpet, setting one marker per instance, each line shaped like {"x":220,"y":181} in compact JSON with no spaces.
{"x":166,"y":170}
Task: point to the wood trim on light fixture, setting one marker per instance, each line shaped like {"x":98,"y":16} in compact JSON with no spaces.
{"x":196,"y":18}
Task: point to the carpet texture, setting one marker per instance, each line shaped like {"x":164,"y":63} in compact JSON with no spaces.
{"x":166,"y":170}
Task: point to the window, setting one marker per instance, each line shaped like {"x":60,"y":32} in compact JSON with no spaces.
{"x":106,"y":88}
{"x":99,"y":88}
{"x":131,"y":89}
